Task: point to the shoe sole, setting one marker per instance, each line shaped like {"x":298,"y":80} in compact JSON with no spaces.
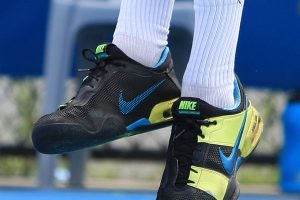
{"x":61,"y":137}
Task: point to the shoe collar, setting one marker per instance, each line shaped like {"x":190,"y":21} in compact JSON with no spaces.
{"x":189,"y":107}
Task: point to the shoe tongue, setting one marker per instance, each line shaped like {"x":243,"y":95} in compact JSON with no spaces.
{"x":188,"y":107}
{"x":107,"y":50}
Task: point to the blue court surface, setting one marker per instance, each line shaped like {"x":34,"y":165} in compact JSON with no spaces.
{"x":35,"y":194}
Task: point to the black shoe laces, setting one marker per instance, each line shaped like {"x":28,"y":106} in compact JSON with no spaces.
{"x":100,"y":61}
{"x":186,"y":132}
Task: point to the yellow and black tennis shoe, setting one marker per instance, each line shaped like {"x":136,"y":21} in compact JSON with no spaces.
{"x":207,"y":147}
{"x":118,"y":98}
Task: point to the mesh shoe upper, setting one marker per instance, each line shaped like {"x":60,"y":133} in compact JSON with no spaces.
{"x":81,"y":110}
{"x":115,"y":94}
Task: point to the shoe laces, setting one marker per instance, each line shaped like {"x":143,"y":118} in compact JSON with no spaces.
{"x":186,"y":132}
{"x":101,"y":61}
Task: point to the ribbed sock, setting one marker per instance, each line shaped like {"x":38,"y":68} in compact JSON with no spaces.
{"x":142,"y":29}
{"x":210,"y":71}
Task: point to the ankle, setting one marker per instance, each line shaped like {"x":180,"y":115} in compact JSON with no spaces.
{"x":147,"y":53}
{"x":221,"y":97}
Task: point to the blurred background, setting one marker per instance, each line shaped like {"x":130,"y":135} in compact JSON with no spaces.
{"x":40,"y":43}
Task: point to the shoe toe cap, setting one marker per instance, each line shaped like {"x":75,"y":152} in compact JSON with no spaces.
{"x":53,"y":134}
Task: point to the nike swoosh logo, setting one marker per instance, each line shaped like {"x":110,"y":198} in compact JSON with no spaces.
{"x":128,"y":106}
{"x":234,"y":160}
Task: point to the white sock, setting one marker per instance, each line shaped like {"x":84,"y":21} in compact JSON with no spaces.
{"x":142,"y":29}
{"x":210,"y":71}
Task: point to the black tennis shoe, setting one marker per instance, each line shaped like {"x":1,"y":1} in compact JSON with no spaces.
{"x":118,"y":98}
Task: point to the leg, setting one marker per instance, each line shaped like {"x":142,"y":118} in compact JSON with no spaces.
{"x":209,"y":141}
{"x":210,"y":71}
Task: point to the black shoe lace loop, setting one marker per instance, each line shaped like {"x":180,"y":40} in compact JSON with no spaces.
{"x":100,"y":61}
{"x":91,"y":56}
{"x":195,"y":124}
{"x":184,"y":145}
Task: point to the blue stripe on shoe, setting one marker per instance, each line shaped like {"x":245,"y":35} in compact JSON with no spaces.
{"x":232,"y":162}
{"x":128,"y":106}
{"x":237,"y":96}
{"x":163,"y":57}
{"x":138,"y":123}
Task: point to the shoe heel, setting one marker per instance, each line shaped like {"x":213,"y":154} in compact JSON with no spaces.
{"x":253,"y":134}
{"x":233,"y":190}
{"x":235,"y":195}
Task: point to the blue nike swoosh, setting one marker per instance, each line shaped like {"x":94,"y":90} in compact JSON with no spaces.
{"x":128,"y":106}
{"x":232,"y":162}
